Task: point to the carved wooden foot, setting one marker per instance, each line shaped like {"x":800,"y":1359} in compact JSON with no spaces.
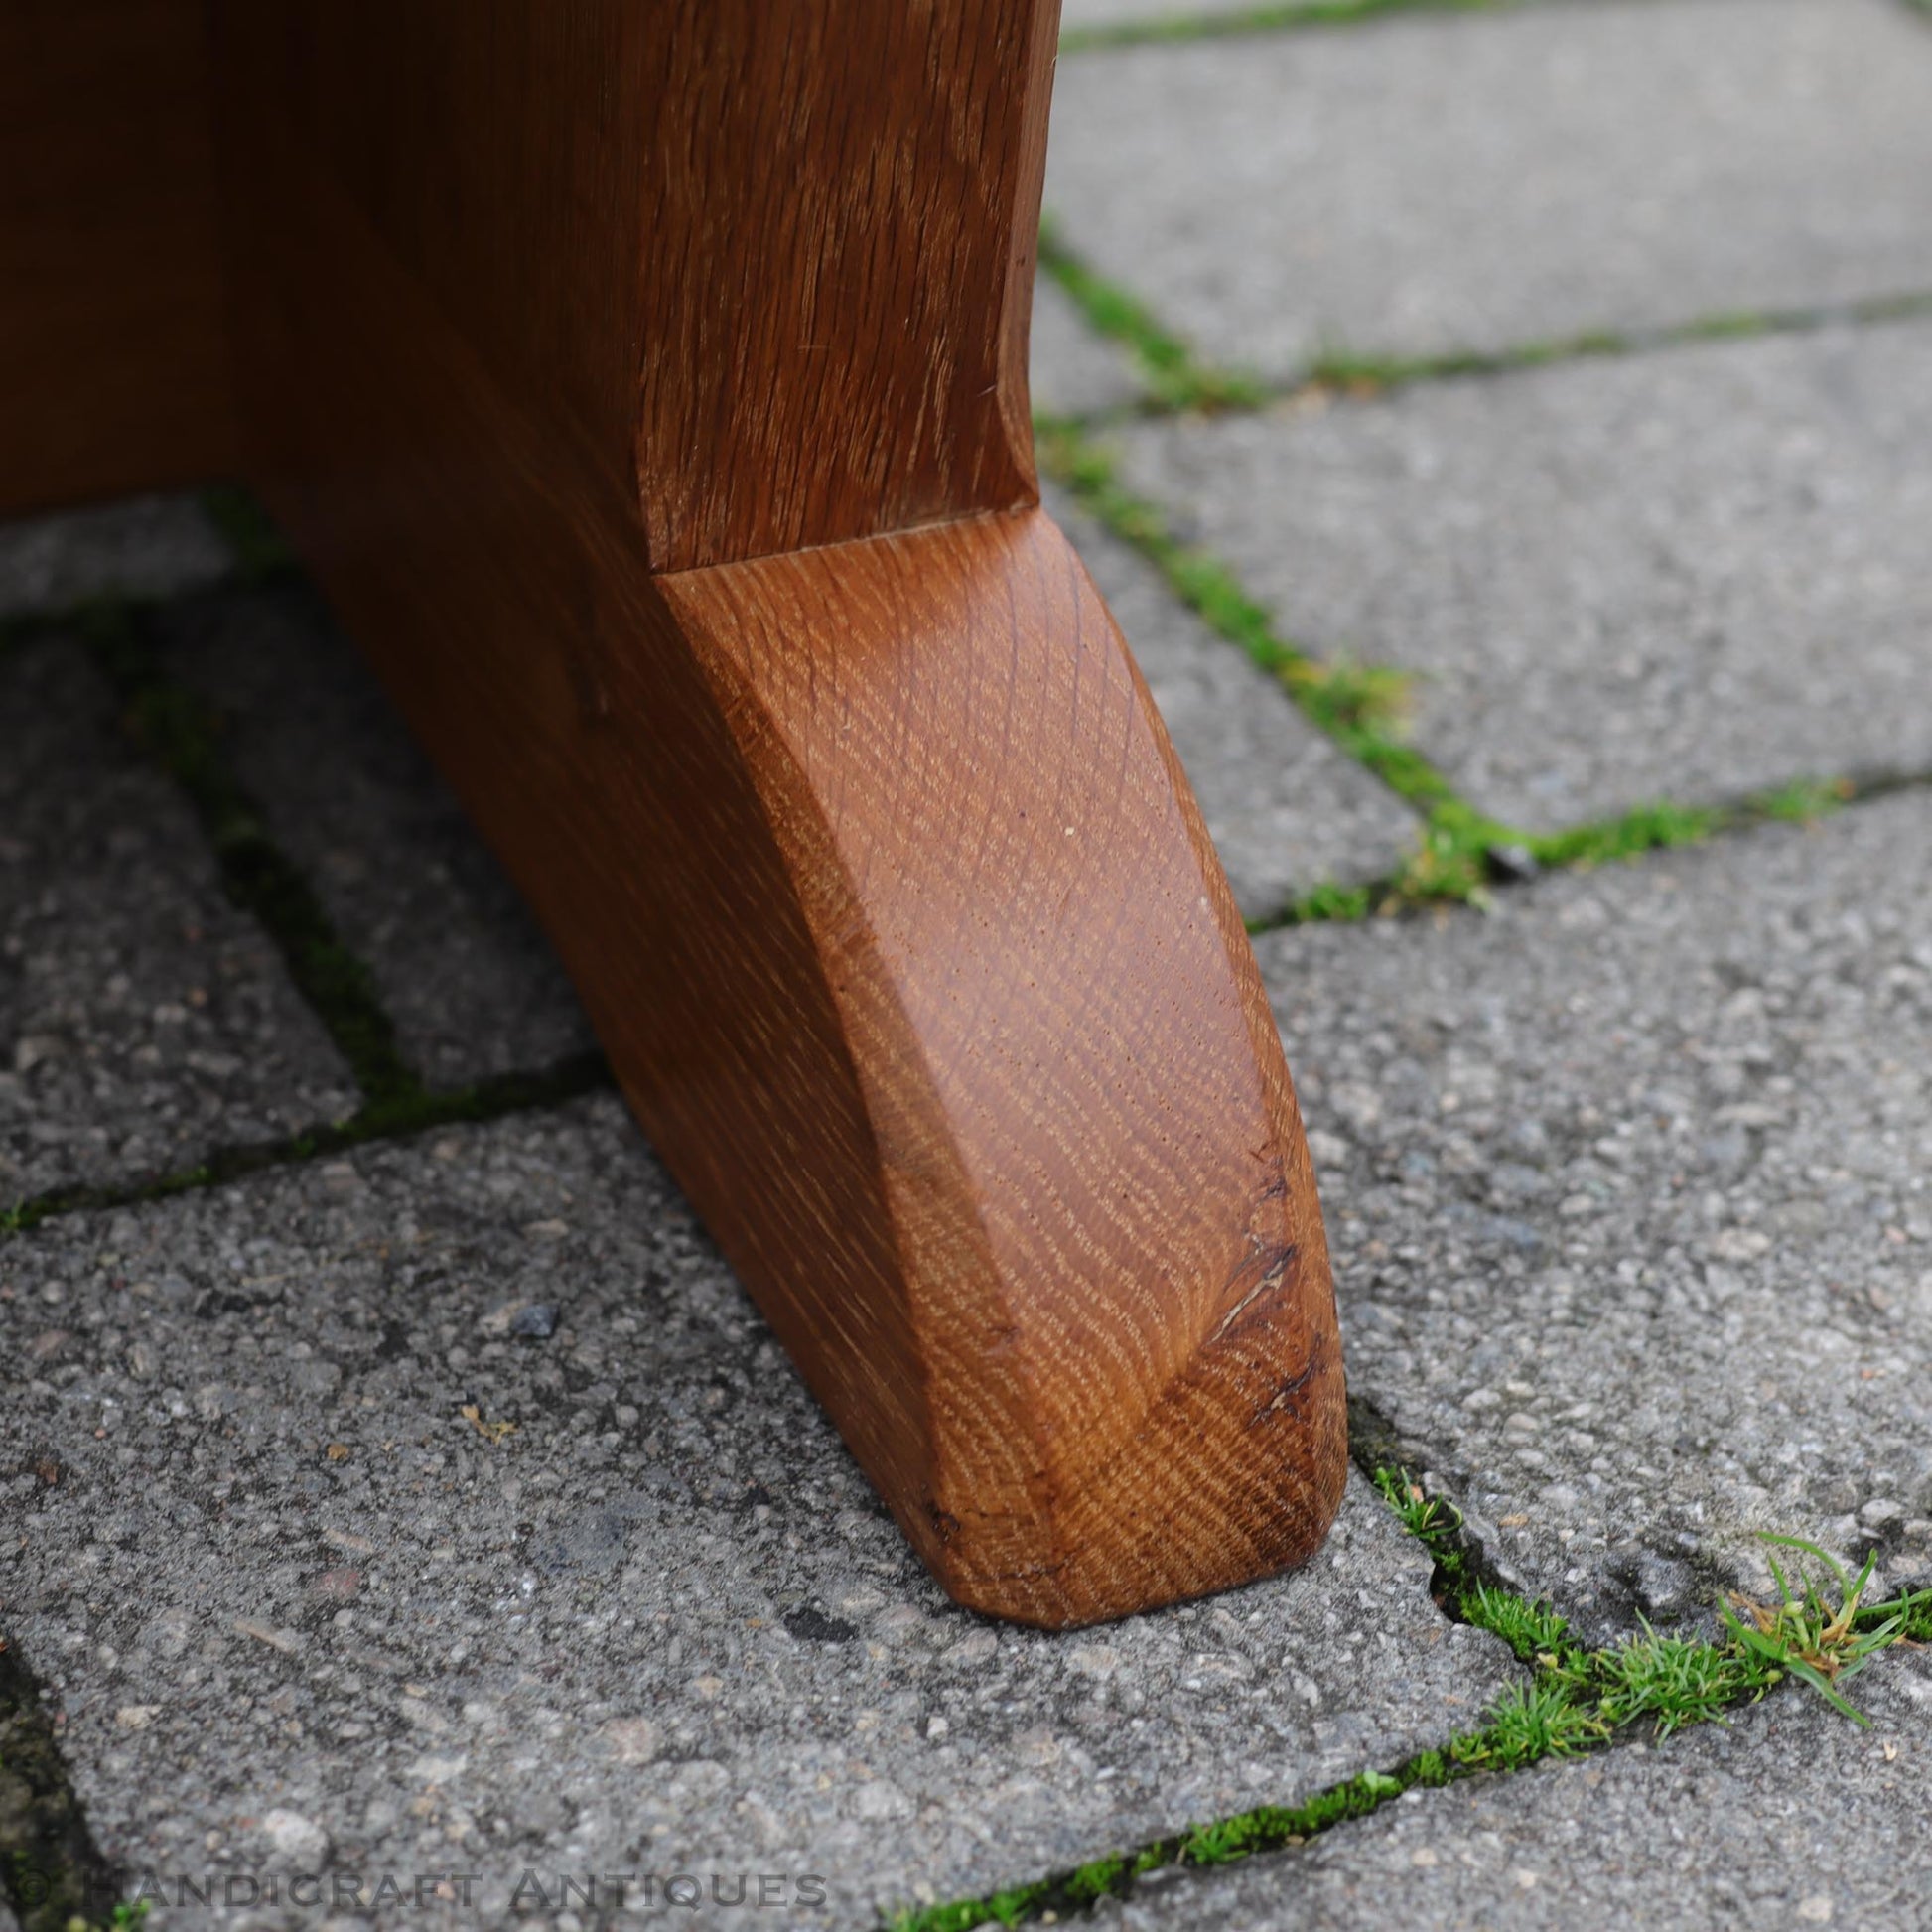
{"x":646,"y":384}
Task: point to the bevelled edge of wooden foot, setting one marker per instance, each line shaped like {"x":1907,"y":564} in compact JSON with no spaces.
{"x":1111,"y":1270}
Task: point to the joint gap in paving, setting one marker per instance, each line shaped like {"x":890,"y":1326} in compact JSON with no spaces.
{"x":53,"y":1874}
{"x":182,"y":736}
{"x":1221,"y":24}
{"x":1509,"y":858}
{"x":494,"y":1098}
{"x":1463,"y":852}
{"x":1575,"y":1701}
{"x":1177,"y":380}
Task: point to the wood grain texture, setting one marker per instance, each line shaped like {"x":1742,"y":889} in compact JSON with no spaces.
{"x":800,"y":238}
{"x":1113,"y":1275}
{"x":842,"y":216}
{"x":113,"y":358}
{"x":871,"y":859}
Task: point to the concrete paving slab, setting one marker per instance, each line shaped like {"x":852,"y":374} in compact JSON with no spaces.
{"x":1424,"y":183}
{"x":331,"y":1557}
{"x":1685,"y":575}
{"x":1286,"y":809}
{"x":459,"y":963}
{"x":147,"y":545}
{"x":142,"y":1020}
{"x":1073,"y":370}
{"x":1628,"y":1188}
{"x":1077,"y":14}
{"x":1789,"y":1815}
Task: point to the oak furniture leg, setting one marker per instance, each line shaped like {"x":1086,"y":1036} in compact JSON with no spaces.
{"x":645,"y":381}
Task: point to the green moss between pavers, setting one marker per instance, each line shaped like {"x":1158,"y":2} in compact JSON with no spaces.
{"x":394,"y":1119}
{"x":1175,"y":378}
{"x":1352,"y":373}
{"x":1168,"y":28}
{"x":1574,"y":1700}
{"x":1459,"y":850}
{"x":50,"y":1871}
{"x":181,"y":734}
{"x":1169,"y":369}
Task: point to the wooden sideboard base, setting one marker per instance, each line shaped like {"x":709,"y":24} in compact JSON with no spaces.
{"x":647,"y":389}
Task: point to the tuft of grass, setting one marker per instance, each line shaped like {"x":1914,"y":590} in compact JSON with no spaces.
{"x":1527,"y":1722}
{"x":1820,"y":1642}
{"x":1533,"y":1630}
{"x":1677,"y":1681}
{"x":1806,"y":799}
{"x":1429,"y":1519}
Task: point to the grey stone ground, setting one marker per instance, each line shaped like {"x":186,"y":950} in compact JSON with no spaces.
{"x":149,"y":545}
{"x":1074,"y":373}
{"x":1628,"y":1188}
{"x":470,"y":982}
{"x":1788,"y":1816}
{"x":1617,"y":580}
{"x":1286,"y":809}
{"x":661,"y":1627}
{"x":1426,"y":182}
{"x":142,"y":1019}
{"x":1627,"y":1181}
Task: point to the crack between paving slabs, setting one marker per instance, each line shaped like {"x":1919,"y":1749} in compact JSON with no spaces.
{"x":179,"y":733}
{"x":1574,"y":1703}
{"x":1460,"y":851}
{"x":1178,"y":381}
{"x":1286,"y":17}
{"x":52,"y":1872}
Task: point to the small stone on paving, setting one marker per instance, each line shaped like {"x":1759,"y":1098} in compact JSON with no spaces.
{"x":1286,"y":808}
{"x":1477,"y":180}
{"x":1073,"y":370}
{"x":319,"y":1558}
{"x":458,"y":961}
{"x":146,"y":546}
{"x":1787,"y":1814}
{"x":1627,"y":1187}
{"x":1690,"y":574}
{"x":142,"y":1020}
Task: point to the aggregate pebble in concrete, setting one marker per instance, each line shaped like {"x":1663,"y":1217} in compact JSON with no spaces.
{"x":142,"y":1019}
{"x":1687,"y":575}
{"x":459,"y":963}
{"x":1627,"y":1186}
{"x":1428,"y":183}
{"x":295,"y":1606}
{"x":1788,"y":1815}
{"x":1286,"y":808}
{"x":148,"y":545}
{"x":1073,"y":370}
